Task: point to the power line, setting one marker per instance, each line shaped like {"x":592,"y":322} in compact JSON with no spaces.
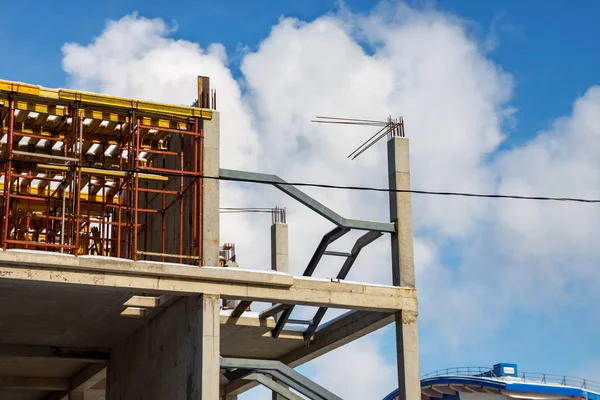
{"x":346,"y":187}
{"x":425,"y":192}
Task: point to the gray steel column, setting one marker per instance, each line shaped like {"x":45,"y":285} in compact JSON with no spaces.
{"x":403,"y":273}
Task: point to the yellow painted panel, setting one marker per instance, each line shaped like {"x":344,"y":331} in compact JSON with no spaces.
{"x":19,"y":87}
{"x":44,"y":192}
{"x":67,"y":95}
{"x":49,"y":93}
{"x":105,"y":172}
{"x":121,"y":102}
{"x":105,"y":116}
{"x":40,"y":108}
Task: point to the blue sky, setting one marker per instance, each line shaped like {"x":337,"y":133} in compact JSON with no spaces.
{"x":549,"y":50}
{"x":546,"y":45}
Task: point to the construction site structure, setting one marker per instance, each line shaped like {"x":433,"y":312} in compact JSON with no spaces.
{"x":113,"y":282}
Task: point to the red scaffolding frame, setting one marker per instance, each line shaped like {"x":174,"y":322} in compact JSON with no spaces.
{"x":95,"y":177}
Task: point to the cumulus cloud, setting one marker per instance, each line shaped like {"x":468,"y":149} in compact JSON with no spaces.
{"x":395,"y":60}
{"x":135,"y":57}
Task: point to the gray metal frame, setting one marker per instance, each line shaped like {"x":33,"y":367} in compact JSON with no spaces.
{"x":343,"y":226}
{"x":308,"y":201}
{"x":249,"y":369}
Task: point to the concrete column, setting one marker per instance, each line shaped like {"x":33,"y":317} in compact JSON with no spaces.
{"x":210,"y":330}
{"x":403,"y":272}
{"x":174,"y":356}
{"x":279,"y":248}
{"x":210,"y":199}
{"x":279,"y":262}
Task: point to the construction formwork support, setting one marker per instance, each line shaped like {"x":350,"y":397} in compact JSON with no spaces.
{"x":94,"y":177}
{"x":403,"y":272}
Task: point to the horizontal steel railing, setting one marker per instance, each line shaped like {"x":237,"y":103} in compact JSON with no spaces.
{"x":532,"y":377}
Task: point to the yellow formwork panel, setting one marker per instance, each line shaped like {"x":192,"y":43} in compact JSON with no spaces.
{"x":19,"y":87}
{"x":120,"y":104}
{"x":36,"y":191}
{"x":41,"y":108}
{"x":128,"y":104}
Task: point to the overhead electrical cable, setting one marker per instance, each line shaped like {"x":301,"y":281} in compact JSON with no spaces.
{"x":344,"y":187}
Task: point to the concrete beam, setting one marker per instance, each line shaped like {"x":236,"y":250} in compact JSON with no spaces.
{"x":88,"y":378}
{"x":21,"y":382}
{"x":147,"y":301}
{"x":184,"y":281}
{"x":64,"y":353}
{"x":271,"y":311}
{"x":82,"y":383}
{"x":333,"y":334}
{"x":338,"y":332}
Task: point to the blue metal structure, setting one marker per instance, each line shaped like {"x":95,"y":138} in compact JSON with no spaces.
{"x":502,"y":381}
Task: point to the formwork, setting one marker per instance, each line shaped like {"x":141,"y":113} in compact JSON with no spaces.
{"x":88,"y":174}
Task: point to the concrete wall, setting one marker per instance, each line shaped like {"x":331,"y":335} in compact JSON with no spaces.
{"x":164,"y":358}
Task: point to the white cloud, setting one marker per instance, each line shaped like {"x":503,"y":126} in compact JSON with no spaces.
{"x":135,"y":57}
{"x":358,"y":370}
{"x":555,"y":241}
{"x":423,"y":66}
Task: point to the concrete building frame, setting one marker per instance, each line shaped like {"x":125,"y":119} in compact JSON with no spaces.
{"x":97,"y":327}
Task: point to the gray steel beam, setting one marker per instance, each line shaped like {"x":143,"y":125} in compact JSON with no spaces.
{"x":281,"y":321}
{"x":308,"y":201}
{"x":276,"y":309}
{"x":274,"y":386}
{"x":240,"y":308}
{"x":282,"y":373}
{"x":337,"y":254}
{"x":360,"y":244}
{"x":308,"y":388}
{"x":329,"y":238}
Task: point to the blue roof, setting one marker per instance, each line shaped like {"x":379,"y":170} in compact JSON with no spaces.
{"x":500,"y":381}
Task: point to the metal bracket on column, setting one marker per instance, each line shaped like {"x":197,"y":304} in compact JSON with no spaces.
{"x":361,"y":243}
{"x":257,"y":369}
